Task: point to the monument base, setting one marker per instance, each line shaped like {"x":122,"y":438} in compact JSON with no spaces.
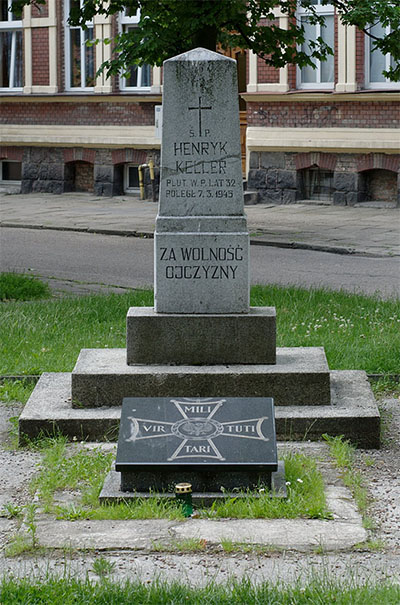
{"x":352,"y":413}
{"x":101,"y":377}
{"x":189,"y":339}
{"x":111,"y":492}
{"x":207,"y":481}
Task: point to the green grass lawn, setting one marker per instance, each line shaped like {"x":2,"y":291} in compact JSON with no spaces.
{"x":358,"y":332}
{"x":70,"y":591}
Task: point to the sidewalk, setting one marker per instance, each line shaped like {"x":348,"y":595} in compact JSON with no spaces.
{"x":344,"y":230}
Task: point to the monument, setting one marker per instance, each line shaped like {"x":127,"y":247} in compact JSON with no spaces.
{"x":202,"y":340}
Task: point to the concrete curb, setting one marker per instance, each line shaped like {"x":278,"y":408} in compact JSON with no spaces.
{"x":281,"y":534}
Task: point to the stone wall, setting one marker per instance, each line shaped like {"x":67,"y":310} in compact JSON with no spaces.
{"x":273,"y":175}
{"x":59,"y":170}
{"x":277,"y":176}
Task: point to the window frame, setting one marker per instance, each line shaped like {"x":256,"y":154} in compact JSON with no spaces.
{"x":67,"y":37}
{"x":327,"y":10}
{"x":387,"y":84}
{"x":126,"y":188}
{"x":13,"y":26}
{"x":308,"y":182}
{"x":125,"y":21}
{"x":9,"y":181}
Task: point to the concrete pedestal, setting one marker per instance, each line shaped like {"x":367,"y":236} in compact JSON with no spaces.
{"x":165,"y":338}
{"x":300,"y":376}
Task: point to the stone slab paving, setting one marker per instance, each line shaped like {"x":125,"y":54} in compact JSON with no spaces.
{"x":286,"y":534}
{"x":370,"y":231}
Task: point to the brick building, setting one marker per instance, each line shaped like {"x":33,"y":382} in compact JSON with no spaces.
{"x":326,"y":134}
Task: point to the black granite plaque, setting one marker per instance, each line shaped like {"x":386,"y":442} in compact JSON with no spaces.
{"x":209,"y":442}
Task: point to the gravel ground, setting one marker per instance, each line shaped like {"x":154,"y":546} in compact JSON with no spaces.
{"x":382,"y":477}
{"x":381,"y":469}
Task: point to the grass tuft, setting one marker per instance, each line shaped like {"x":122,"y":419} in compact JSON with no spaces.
{"x":103,"y":567}
{"x":306,"y":496}
{"x":385,"y":387}
{"x":64,"y":470}
{"x":343,"y":452}
{"x":16,"y":390}
{"x":14,"y":286}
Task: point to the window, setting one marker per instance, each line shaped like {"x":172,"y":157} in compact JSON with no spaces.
{"x":139,"y":76}
{"x":131,"y":178}
{"x":323,"y":75}
{"x":10,"y":48}
{"x":376,"y":61}
{"x":79,"y":57}
{"x":10,"y":172}
{"x":317,"y":184}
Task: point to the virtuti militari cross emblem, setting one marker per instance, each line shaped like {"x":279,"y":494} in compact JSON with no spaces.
{"x":196,"y":428}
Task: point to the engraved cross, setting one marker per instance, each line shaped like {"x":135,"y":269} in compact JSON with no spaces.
{"x":199,"y":109}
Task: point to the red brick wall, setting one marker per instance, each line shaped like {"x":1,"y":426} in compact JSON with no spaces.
{"x":79,"y":155}
{"x":292,"y":77}
{"x":78,"y":113}
{"x":40,"y":56}
{"x":381,"y":185}
{"x":336,"y":51}
{"x":326,"y":161}
{"x":115,"y":31}
{"x":60,"y":46}
{"x":83,"y":176}
{"x":130,"y":156}
{"x":40,"y":10}
{"x":11,"y":153}
{"x":267,"y":73}
{"x":360,"y":59}
{"x":363,"y":114}
{"x":369,"y":161}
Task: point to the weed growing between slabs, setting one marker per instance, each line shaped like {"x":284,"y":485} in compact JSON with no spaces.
{"x":14,"y":591}
{"x":343,"y":453}
{"x":82,"y":470}
{"x":358,"y":332}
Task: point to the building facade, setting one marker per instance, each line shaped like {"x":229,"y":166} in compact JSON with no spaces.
{"x":328,"y":134}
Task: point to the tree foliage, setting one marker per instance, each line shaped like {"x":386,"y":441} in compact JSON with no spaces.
{"x":170,"y":27}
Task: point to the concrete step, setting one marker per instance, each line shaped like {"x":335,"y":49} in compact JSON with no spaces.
{"x":300,"y":376}
{"x":352,"y":413}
